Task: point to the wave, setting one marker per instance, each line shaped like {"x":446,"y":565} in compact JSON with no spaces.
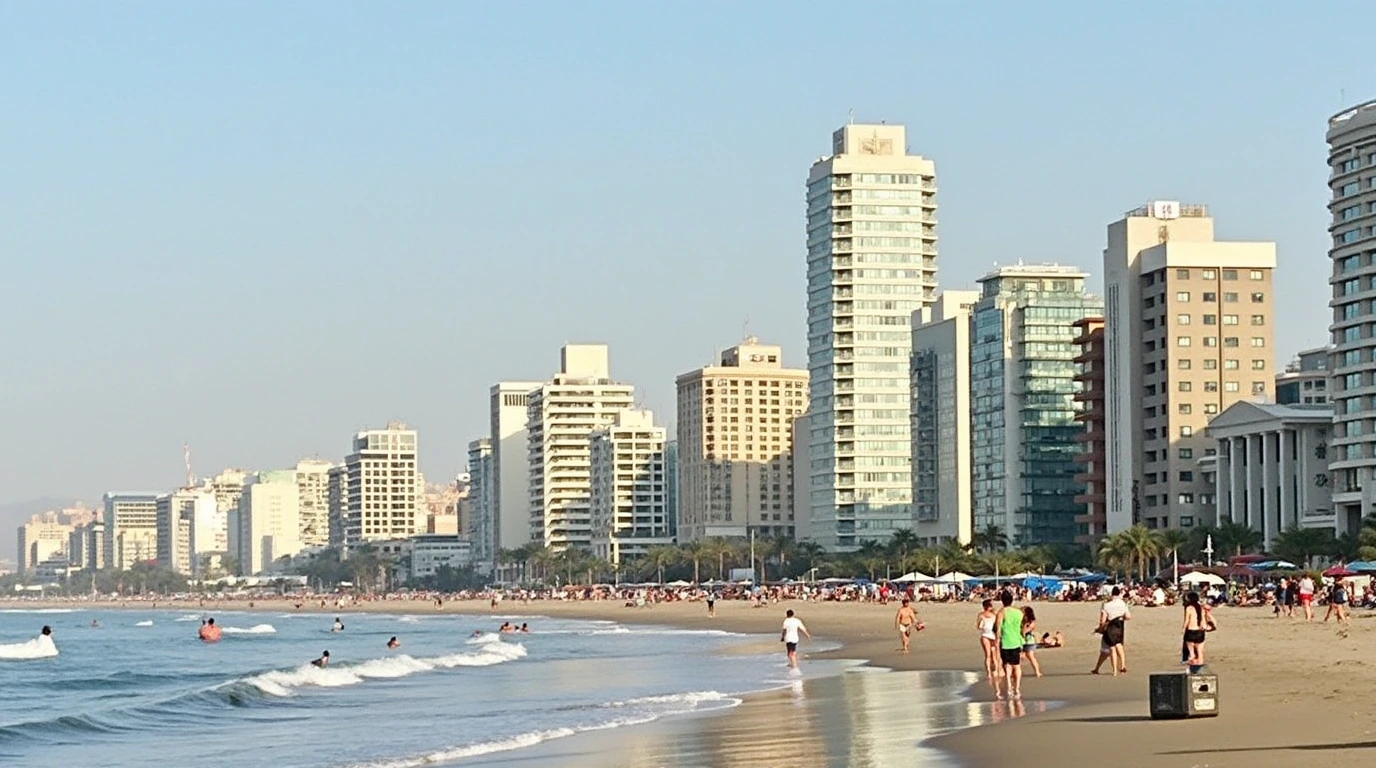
{"x":40,"y":647}
{"x":256,"y":629}
{"x":285,"y":683}
{"x":655,"y":707}
{"x":189,"y":617}
{"x":38,"y":610}
{"x":143,"y":623}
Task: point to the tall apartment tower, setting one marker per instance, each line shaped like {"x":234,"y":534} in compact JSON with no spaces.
{"x":871,"y":263}
{"x":313,"y":486}
{"x":630,"y":497}
{"x":1089,"y":341}
{"x":188,"y":524}
{"x":44,"y":539}
{"x":562,"y":414}
{"x":481,"y":525}
{"x":269,"y":520}
{"x":337,"y":494}
{"x":1022,"y":401}
{"x":510,"y":443}
{"x":1352,"y":455}
{"x":384,"y":500}
{"x":940,"y":373}
{"x":735,"y":445}
{"x":1187,"y":333}
{"x":131,"y":529}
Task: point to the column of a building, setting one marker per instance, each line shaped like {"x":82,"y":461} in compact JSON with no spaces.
{"x":1269,"y":486}
{"x":1303,"y":475}
{"x":1252,"y":513}
{"x":1238,"y":449}
{"x":1223,"y":482}
{"x":1287,"y":517}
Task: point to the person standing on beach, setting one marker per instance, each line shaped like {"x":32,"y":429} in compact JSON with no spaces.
{"x":988,"y":644}
{"x":905,"y":621}
{"x":1307,"y":597}
{"x":1198,"y":620}
{"x":1337,"y":601}
{"x":1112,"y":626}
{"x":789,"y":636}
{"x":1008,"y":627}
{"x":711,"y":605}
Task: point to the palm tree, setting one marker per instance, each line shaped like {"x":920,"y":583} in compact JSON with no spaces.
{"x":992,"y":539}
{"x":720,"y":548}
{"x":809,"y":552}
{"x":1302,"y":544}
{"x":1238,"y":538}
{"x":696,"y":551}
{"x":658,"y":558}
{"x":1113,"y":554}
{"x":901,"y":542}
{"x":1170,"y":540}
{"x":1141,"y":545}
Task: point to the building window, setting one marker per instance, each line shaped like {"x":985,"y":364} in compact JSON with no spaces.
{"x":1256,"y":274}
{"x":1258,"y":387}
{"x":1230,"y":298}
{"x":1230,"y":386}
{"x":1230,"y":341}
{"x":1186,"y":477}
{"x":1230,"y":319}
{"x":1210,"y":364}
{"x":1230,"y":365}
{"x":1184,"y":409}
{"x":1185,"y":453}
{"x":1184,"y":386}
{"x":1210,"y":408}
{"x":1210,"y":386}
{"x":1182,"y":274}
{"x":1183,"y":364}
{"x":1211,"y":319}
{"x":1187,"y":431}
{"x":1210,"y":341}
{"x":1183,"y":296}
{"x":1182,"y":319}
{"x":1185,"y":498}
{"x":1258,"y":319}
{"x":1186,"y":521}
{"x":1258,"y":365}
{"x":1258,"y":298}
{"x":1258,"y":341}
{"x":1230,"y":274}
{"x":1210,"y":297}
{"x":1210,"y":274}
{"x":1182,"y":341}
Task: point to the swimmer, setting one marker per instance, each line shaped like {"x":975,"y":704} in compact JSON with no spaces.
{"x":393,"y":643}
{"x":506,"y":627}
{"x":47,"y":631}
{"x":338,"y":625}
{"x":209,"y":633}
{"x":323,"y":661}
{"x":95,"y":623}
{"x":477,"y":633}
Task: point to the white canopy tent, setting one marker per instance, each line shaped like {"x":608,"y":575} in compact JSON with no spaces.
{"x":1199,"y":577}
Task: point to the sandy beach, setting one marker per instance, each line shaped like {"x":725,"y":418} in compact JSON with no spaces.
{"x":1291,"y":694}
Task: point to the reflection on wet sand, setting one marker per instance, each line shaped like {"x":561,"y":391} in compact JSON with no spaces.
{"x":864,"y":718}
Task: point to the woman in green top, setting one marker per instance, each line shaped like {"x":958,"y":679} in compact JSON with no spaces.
{"x":1008,"y":627}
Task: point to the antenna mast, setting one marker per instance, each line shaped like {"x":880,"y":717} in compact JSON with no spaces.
{"x":186,"y":457}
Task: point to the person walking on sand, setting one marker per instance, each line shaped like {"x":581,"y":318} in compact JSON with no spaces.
{"x":1029,"y":639}
{"x":711,"y":605}
{"x":789,"y":636}
{"x":1198,"y":621}
{"x":1112,"y":626}
{"x":1307,"y":597}
{"x":905,"y":621}
{"x":1337,"y":601}
{"x":1008,"y":628}
{"x":988,"y":644}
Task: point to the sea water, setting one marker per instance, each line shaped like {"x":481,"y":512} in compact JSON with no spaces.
{"x":134,"y":688}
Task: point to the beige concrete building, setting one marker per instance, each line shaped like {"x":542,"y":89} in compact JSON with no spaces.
{"x":131,"y":529}
{"x":269,"y":521}
{"x":44,"y":539}
{"x":561,"y":415}
{"x":871,"y":263}
{"x":940,"y":371}
{"x":509,"y":443}
{"x":190,"y":528}
{"x":630,"y":498}
{"x":1188,"y":332}
{"x":1089,"y":359}
{"x":384,"y":483}
{"x":735,"y":443}
{"x":313,"y":485}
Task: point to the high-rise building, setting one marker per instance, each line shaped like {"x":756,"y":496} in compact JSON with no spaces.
{"x":1022,"y":401}
{"x":735,"y":442}
{"x":630,"y":497}
{"x":191,"y":528}
{"x":131,"y":529}
{"x":383,"y":499}
{"x":561,"y":415}
{"x":871,"y":263}
{"x":44,"y":539}
{"x":510,"y":442}
{"x":1089,"y":341}
{"x":482,"y":526}
{"x":337,"y":492}
{"x":940,"y":412}
{"x":1306,"y":380}
{"x":269,"y":520}
{"x":313,"y":483}
{"x":1187,"y":333}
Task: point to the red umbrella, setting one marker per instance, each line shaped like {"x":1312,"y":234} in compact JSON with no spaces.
{"x":1339,"y":571}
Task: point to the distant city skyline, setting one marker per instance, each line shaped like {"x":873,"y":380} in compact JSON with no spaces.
{"x":261,"y":233}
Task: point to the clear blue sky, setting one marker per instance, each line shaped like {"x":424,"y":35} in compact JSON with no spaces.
{"x":259,"y":227}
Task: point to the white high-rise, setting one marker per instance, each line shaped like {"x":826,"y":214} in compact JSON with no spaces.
{"x":562,"y":414}
{"x":871,"y":263}
{"x":131,"y":529}
{"x":384,"y":485}
{"x":313,"y":484}
{"x":481,"y":523}
{"x":510,"y":445}
{"x":190,"y":527}
{"x":630,"y":511}
{"x":269,"y":520}
{"x":940,"y":372}
{"x":44,"y":539}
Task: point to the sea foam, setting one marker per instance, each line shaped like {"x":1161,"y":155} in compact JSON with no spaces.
{"x":41,"y":647}
{"x":256,"y":629}
{"x":285,"y":683}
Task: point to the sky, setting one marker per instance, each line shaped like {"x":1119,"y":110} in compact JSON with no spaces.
{"x":257,"y":228}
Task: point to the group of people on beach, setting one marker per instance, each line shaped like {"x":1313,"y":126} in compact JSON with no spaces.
{"x":1006,"y":637}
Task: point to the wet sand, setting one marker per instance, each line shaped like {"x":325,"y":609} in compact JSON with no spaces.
{"x":1291,"y":694}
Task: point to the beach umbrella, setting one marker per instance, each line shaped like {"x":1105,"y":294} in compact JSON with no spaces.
{"x":1200,"y":577}
{"x":914,"y":576}
{"x":1362,"y":566}
{"x":1339,"y":572}
{"x":1274,"y":565}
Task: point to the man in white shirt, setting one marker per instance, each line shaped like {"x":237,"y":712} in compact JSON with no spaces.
{"x":1111,"y":629}
{"x":1307,"y":597}
{"x":789,"y":636}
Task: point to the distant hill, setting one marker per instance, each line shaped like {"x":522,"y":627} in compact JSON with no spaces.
{"x":17,"y":513}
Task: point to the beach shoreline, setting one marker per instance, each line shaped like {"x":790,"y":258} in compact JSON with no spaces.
{"x":1291,"y":693}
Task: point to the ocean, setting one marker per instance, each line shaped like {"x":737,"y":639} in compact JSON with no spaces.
{"x":140,"y":688}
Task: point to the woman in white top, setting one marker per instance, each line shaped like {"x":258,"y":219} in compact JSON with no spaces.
{"x":988,"y":643}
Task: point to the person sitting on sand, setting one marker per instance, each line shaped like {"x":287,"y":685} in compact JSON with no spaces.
{"x":1052,"y":640}
{"x":209,"y":633}
{"x":323,"y":661}
{"x":394,"y":643}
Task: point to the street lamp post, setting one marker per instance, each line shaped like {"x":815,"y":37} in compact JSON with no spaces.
{"x":1209,"y":549}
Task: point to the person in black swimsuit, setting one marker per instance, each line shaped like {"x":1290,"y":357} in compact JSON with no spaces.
{"x":1197,"y":623}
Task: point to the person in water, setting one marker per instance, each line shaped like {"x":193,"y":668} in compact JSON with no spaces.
{"x":47,"y":631}
{"x":338,"y":625}
{"x":506,"y":627}
{"x":323,"y":661}
{"x":525,"y":628}
{"x":209,"y":632}
{"x":393,"y":643}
